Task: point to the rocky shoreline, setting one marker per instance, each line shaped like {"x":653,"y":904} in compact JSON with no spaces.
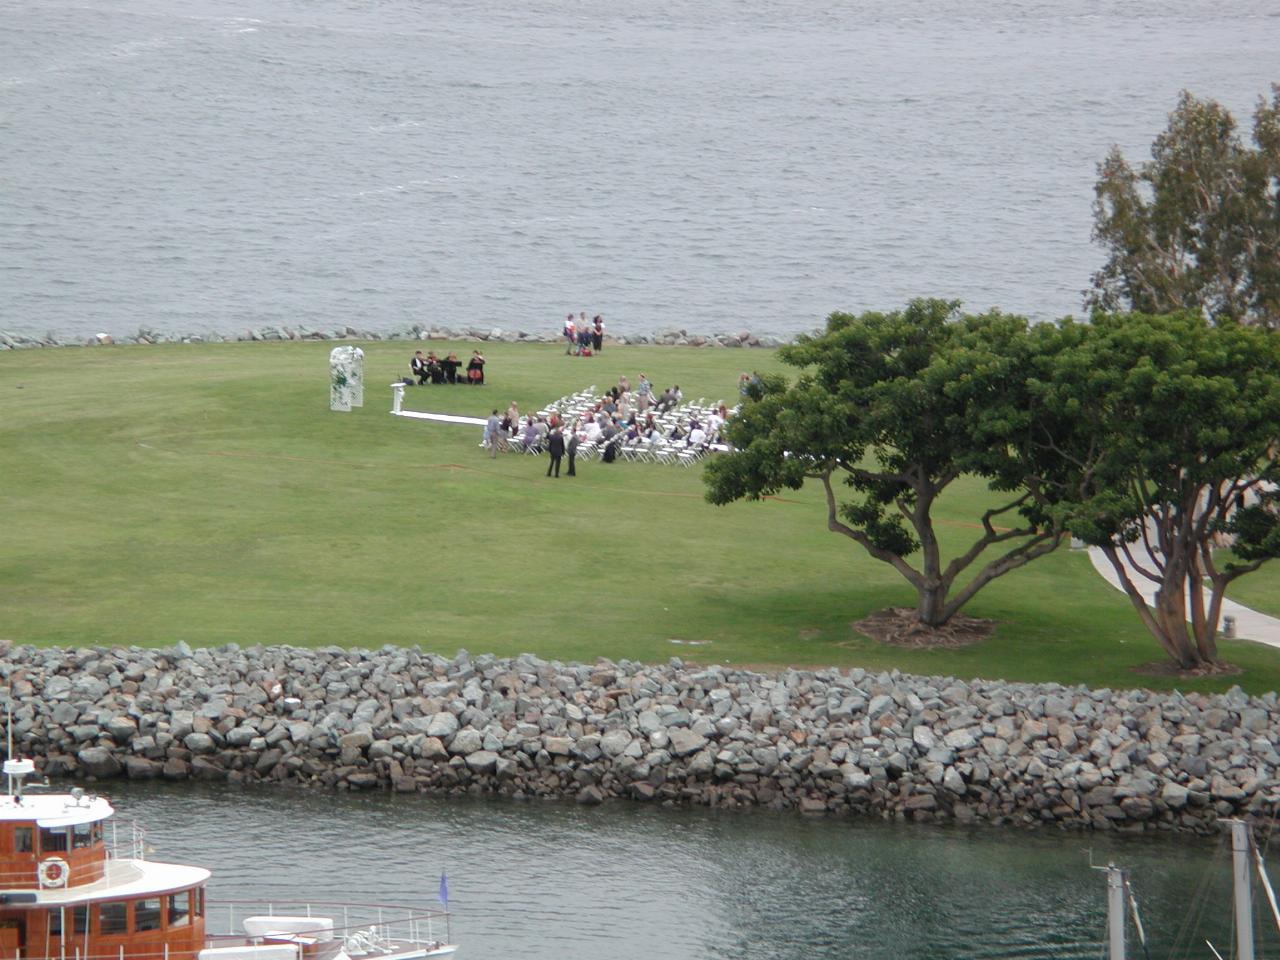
{"x":145,"y":335}
{"x":889,"y":744}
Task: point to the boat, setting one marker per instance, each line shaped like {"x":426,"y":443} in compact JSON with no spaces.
{"x":1246,"y":858}
{"x":75,"y":885}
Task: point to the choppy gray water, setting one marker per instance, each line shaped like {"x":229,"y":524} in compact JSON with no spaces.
{"x":559,"y":882}
{"x":716,"y":165}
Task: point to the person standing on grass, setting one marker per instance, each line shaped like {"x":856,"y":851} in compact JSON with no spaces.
{"x":492,"y":432}
{"x":555,"y":447}
{"x":573,"y":450}
{"x":644,"y":391}
{"x":597,"y":333}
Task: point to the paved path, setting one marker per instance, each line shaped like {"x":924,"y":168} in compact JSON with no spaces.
{"x":1250,"y":624}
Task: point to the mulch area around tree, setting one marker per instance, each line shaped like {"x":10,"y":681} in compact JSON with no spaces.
{"x":898,"y":626}
{"x":1167,"y":668}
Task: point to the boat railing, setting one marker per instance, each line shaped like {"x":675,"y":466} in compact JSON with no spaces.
{"x":369,"y":921}
{"x":117,"y":953}
{"x":126,"y":840}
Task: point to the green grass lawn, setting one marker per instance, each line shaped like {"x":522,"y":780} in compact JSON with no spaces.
{"x":1260,"y":589}
{"x":207,"y":494}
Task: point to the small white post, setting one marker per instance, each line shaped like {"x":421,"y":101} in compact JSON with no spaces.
{"x":397,"y":397}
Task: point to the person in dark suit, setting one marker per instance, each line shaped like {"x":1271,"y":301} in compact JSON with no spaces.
{"x":555,"y":447}
{"x":573,"y":452}
{"x":418,"y":365}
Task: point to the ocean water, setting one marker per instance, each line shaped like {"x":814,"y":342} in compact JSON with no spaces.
{"x":555,"y":881}
{"x":718,"y":166}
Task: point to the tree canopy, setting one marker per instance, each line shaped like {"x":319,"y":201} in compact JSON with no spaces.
{"x":1176,"y":427}
{"x":1198,"y":226}
{"x":892,"y":408}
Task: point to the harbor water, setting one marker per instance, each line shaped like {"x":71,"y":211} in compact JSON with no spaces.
{"x":724,"y":165}
{"x":555,"y":881}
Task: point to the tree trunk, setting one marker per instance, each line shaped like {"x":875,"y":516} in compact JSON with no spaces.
{"x":1204,"y":622}
{"x":1171,"y":615}
{"x":1168,"y":628}
{"x":931,"y":607}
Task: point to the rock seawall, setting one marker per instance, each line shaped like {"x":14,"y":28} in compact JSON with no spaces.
{"x":146,"y":335}
{"x":888,"y":744}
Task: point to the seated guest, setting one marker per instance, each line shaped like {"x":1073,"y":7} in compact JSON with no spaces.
{"x":676,"y":433}
{"x":697,"y":438}
{"x":593,"y":431}
{"x":544,"y":430}
{"x":418,"y":366}
{"x":529,"y":439}
{"x":475,"y":369}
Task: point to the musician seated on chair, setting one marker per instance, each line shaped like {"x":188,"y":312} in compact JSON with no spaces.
{"x":435,"y":367}
{"x":418,"y":366}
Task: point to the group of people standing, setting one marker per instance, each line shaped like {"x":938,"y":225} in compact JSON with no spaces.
{"x":433,"y":369}
{"x":537,"y":434}
{"x":584,"y":338}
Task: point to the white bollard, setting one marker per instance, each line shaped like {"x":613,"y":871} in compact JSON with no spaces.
{"x":397,"y":396}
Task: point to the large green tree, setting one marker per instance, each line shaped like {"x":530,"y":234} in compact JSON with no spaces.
{"x":1175,"y":427}
{"x":1198,"y":226}
{"x":889,"y":409}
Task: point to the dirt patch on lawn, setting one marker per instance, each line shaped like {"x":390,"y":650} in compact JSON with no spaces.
{"x":1167,"y":668}
{"x":898,"y":627}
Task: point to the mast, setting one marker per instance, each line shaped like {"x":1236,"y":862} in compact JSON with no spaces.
{"x":1115,"y":912}
{"x":1241,"y":848}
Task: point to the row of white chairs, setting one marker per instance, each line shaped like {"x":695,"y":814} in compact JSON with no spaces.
{"x":576,"y":406}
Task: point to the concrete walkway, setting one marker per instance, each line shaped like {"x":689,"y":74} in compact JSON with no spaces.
{"x":1250,"y":624}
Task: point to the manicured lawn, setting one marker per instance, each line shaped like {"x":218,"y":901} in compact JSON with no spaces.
{"x":1260,"y":589}
{"x":206,"y":493}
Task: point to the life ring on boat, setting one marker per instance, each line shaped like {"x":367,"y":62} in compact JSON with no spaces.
{"x":53,"y":872}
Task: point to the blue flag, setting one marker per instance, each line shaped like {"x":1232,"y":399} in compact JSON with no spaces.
{"x":444,"y":891}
